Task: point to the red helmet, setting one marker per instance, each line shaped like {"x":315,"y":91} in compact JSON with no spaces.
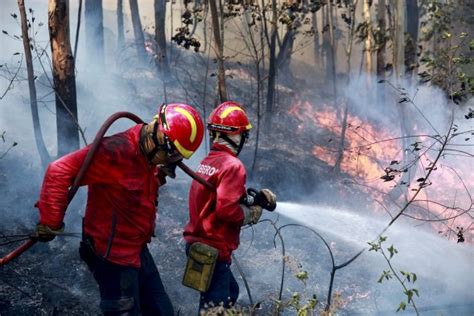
{"x":182,"y":127}
{"x":230,"y":118}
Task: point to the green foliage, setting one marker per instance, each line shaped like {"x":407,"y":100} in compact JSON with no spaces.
{"x":302,"y":275}
{"x":448,"y":62}
{"x":408,"y":277}
{"x":386,"y":274}
{"x":299,"y":302}
{"x":305,"y":309}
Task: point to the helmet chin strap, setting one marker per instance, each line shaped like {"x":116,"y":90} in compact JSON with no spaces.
{"x":237,"y":147}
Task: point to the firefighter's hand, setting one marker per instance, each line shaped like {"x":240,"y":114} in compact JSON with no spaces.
{"x":268,"y":199}
{"x":44,"y":233}
{"x":252,"y":214}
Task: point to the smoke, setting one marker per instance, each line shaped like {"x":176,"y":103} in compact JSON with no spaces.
{"x":402,"y":128}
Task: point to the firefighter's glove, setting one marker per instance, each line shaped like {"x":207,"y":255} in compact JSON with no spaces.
{"x":264,"y":198}
{"x":251,"y":214}
{"x":44,"y":233}
{"x":169,"y":170}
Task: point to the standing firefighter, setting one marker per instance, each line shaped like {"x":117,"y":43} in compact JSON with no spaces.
{"x":123,"y":180}
{"x":216,"y":216}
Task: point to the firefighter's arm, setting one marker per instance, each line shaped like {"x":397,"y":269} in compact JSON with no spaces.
{"x":229,"y":191}
{"x":59,"y":177}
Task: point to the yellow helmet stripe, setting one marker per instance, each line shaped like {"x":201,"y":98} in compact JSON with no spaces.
{"x":229,"y":110}
{"x":183,"y":151}
{"x":191,"y":121}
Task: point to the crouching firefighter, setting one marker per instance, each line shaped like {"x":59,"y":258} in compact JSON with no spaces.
{"x":123,"y":180}
{"x":216,"y":216}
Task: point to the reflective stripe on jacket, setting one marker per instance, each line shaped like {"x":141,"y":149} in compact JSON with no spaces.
{"x":122,"y":196}
{"x":216,"y":217}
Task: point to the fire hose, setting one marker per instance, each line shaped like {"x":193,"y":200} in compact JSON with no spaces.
{"x":82,"y":171}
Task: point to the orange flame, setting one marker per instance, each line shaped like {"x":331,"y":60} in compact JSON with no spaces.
{"x":369,"y":149}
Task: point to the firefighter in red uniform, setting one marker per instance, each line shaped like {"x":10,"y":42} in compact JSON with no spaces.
{"x":123,"y":180}
{"x":217,"y":216}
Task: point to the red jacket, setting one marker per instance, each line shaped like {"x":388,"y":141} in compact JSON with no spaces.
{"x":216,"y":217}
{"x":122,"y":196}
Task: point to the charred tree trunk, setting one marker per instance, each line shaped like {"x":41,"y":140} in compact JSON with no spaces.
{"x":64,"y":77}
{"x":138,"y":31}
{"x":380,"y":44}
{"x":317,"y":46}
{"x":284,"y":54}
{"x":78,"y":28}
{"x":94,"y":32}
{"x":160,"y":33}
{"x":43,"y":152}
{"x":413,"y":18}
{"x":332,"y":48}
{"x":120,"y":33}
{"x":219,"y":51}
{"x":271,"y":65}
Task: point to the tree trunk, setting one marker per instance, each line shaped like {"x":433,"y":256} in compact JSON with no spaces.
{"x":120,"y":33}
{"x":349,"y":46}
{"x":271,"y":65}
{"x":399,"y":40}
{"x":350,"y":39}
{"x":43,"y":152}
{"x":317,"y":46}
{"x":64,"y":77}
{"x":138,"y":31}
{"x":78,"y":28}
{"x":160,"y":33}
{"x":380,"y":72}
{"x":94,"y":32}
{"x":368,"y":40}
{"x":324,"y":38}
{"x":219,"y":51}
{"x":399,"y":67}
{"x":284,"y":55}
{"x":413,"y":18}
{"x":381,"y":42}
{"x":332,"y":47}
{"x":348,"y":50}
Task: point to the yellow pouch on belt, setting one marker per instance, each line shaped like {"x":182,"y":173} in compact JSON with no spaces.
{"x":200,"y":266}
